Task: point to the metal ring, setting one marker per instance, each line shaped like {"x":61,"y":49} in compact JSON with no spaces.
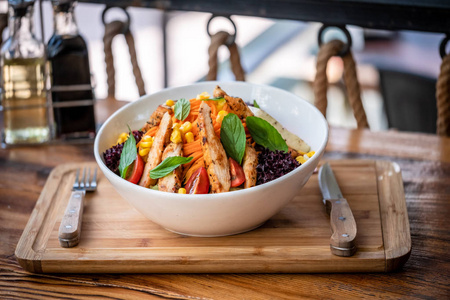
{"x":444,"y":45}
{"x":232,"y":37}
{"x":347,"y":45}
{"x":128,"y":21}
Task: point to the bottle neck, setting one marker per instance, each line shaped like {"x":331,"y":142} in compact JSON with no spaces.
{"x":64,"y":21}
{"x":21,"y":26}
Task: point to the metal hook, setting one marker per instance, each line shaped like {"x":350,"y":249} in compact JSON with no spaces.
{"x":347,"y":45}
{"x":128,"y":21}
{"x":232,"y":37}
{"x":444,"y":45}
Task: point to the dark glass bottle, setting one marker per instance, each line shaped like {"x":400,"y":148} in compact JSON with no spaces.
{"x":71,"y":78}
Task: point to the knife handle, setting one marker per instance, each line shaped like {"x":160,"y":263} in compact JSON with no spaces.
{"x":343,"y":227}
{"x":70,"y":228}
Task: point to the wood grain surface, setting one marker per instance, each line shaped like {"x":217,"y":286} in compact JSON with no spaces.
{"x":118,"y":239}
{"x":425,"y":164}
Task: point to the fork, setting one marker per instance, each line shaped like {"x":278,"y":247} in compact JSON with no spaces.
{"x":70,"y":228}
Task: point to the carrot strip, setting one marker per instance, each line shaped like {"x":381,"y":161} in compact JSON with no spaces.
{"x":196,"y":157}
{"x":198,"y":163}
{"x":192,"y":147}
{"x":151,"y":132}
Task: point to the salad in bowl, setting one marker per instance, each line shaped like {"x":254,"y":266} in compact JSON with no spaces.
{"x":212,"y":158}
{"x":207,"y":144}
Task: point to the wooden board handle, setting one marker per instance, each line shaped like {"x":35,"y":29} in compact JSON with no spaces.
{"x":343,"y":227}
{"x":70,"y":228}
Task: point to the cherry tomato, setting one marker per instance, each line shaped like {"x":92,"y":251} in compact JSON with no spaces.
{"x":237,"y":173}
{"x":198,"y":183}
{"x":135,"y":170}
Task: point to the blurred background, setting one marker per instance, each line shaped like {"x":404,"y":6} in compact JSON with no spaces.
{"x":396,"y":69}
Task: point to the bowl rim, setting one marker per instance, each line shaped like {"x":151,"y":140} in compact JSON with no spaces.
{"x":219,"y":196}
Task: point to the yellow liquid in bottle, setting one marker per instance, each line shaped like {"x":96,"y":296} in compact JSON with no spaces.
{"x":24,"y":101}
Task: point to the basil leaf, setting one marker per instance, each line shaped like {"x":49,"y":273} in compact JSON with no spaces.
{"x":182,"y":109}
{"x":265,"y":134}
{"x":255,"y":104}
{"x":232,"y":136}
{"x":168,"y":165}
{"x":128,"y":155}
{"x":214,"y":99}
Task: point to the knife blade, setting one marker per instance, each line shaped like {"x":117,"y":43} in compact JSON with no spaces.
{"x":342,"y":222}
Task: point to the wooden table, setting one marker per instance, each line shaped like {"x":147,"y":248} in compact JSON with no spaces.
{"x":425,"y":163}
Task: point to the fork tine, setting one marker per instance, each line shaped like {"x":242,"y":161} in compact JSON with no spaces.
{"x":83,"y":180}
{"x":94,"y":179}
{"x":87,"y":183}
{"x":76,"y":184}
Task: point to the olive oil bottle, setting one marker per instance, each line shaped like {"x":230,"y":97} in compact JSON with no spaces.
{"x":25,"y":109}
{"x":24,"y":101}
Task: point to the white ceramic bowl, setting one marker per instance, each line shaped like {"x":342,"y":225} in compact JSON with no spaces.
{"x":225,"y":213}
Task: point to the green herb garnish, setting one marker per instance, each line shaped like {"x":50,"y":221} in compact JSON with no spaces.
{"x":232,"y":136}
{"x":255,"y":104}
{"x":182,"y":109}
{"x":128,"y":155}
{"x":168,"y":165}
{"x":265,"y":134}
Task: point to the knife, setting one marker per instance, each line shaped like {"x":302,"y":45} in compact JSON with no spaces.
{"x":343,"y":225}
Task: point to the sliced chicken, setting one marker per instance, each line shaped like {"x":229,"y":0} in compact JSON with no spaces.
{"x":214,"y":155}
{"x":249,"y":164}
{"x":237,"y":105}
{"x":154,"y":156}
{"x":156,"y":117}
{"x":218,"y":92}
{"x":172,"y":182}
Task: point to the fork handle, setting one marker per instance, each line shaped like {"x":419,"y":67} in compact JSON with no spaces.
{"x":70,"y":228}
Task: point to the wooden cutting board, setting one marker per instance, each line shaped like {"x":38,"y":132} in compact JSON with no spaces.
{"x":118,"y":239}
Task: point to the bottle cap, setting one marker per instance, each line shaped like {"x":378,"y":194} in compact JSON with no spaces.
{"x":63,"y":5}
{"x":21,"y":6}
{"x":20,"y":3}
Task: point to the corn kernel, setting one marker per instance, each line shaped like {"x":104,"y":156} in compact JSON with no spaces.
{"x":310,"y":153}
{"x":176,"y":126}
{"x":146,"y":138}
{"x":170,"y":102}
{"x":146,"y":144}
{"x":175,"y":137}
{"x":300,"y":159}
{"x":186,"y":127}
{"x":221,"y":104}
{"x":203,"y":96}
{"x":144,"y":151}
{"x":189,"y":137}
{"x":123,"y":137}
{"x":181,"y":191}
{"x":221,"y":115}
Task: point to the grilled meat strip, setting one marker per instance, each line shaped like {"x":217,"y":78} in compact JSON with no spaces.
{"x":156,"y":117}
{"x":237,"y":105}
{"x":249,"y":164}
{"x":154,"y":156}
{"x":172,"y":182}
{"x":214,"y":155}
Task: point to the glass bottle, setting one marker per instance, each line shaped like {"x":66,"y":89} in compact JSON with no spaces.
{"x":24,"y":99}
{"x":72,"y":96}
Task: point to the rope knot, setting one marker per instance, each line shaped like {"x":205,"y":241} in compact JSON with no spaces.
{"x":326,"y":51}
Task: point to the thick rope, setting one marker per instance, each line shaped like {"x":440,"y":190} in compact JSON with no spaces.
{"x":217,"y":40}
{"x":3,"y":25}
{"x":327,"y":51}
{"x":443,"y":98}
{"x":111,"y":31}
